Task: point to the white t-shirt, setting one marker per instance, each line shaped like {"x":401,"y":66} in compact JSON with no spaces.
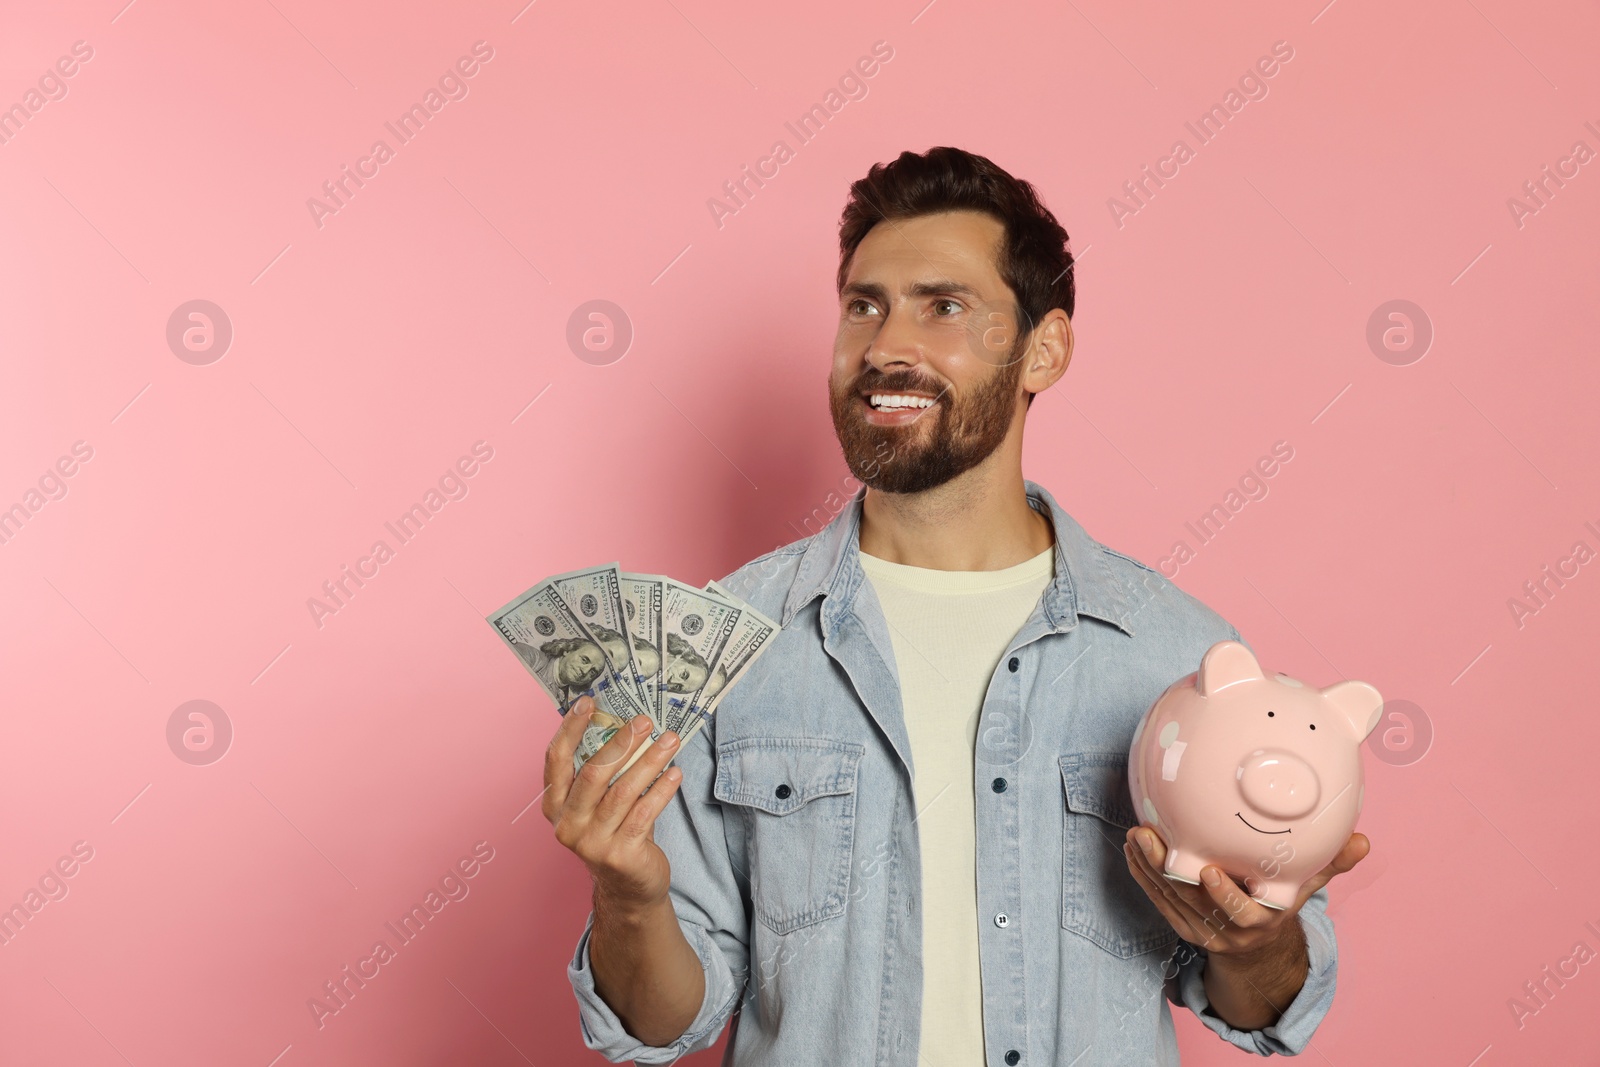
{"x":950,"y":629}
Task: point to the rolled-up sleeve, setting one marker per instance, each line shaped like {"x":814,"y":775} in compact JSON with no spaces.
{"x":1292,"y":1032}
{"x":707,"y":899}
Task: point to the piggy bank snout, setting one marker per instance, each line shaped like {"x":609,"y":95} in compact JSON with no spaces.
{"x":1279,"y":784}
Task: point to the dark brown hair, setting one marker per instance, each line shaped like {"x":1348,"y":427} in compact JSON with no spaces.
{"x":1034,"y":260}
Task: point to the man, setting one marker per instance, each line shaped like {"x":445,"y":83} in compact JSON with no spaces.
{"x":906,"y":836}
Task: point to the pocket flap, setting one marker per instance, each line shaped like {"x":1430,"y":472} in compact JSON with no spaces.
{"x":778,"y":775}
{"x":1096,"y":784}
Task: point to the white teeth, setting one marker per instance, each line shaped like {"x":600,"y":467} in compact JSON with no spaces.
{"x":897,"y":400}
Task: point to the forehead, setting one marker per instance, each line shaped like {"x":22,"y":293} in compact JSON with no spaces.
{"x":961,"y":245}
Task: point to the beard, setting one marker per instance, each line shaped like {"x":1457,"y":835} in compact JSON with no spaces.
{"x":911,"y":458}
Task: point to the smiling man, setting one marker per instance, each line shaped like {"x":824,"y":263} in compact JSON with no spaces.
{"x":906,"y":837}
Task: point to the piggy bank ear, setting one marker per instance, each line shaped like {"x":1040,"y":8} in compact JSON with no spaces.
{"x":1357,"y":703}
{"x":1226,"y":663}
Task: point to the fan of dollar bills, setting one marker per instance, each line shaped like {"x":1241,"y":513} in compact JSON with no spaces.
{"x":638,"y":644}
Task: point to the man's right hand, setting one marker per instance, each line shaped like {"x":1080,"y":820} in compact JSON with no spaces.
{"x":611,"y":829}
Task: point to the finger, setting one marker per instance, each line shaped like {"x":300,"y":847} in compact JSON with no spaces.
{"x":627,"y":789}
{"x":1196,"y":904}
{"x":1229,"y":903}
{"x":1354,"y":851}
{"x":630,"y":737}
{"x":1152,"y":865}
{"x":641,"y":818}
{"x":1159,"y":890}
{"x":1151,"y":851}
{"x":590,"y":785}
{"x":1148,"y":846}
{"x":558,"y":756}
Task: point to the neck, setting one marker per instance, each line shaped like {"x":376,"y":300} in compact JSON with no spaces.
{"x":978,"y":521}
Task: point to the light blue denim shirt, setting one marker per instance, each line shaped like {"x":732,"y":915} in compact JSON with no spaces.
{"x":795,"y":859}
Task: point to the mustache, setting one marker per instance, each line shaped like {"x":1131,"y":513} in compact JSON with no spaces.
{"x":897,"y":383}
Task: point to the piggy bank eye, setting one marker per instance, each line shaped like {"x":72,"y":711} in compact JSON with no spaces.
{"x":1313,"y":726}
{"x":1270,"y":714}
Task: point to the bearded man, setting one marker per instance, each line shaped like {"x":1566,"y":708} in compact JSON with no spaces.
{"x":906,"y":837}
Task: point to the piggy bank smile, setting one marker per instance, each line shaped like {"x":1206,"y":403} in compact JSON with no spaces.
{"x":1258,"y":829}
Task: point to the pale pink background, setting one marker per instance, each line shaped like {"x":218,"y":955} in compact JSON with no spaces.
{"x":369,"y":354}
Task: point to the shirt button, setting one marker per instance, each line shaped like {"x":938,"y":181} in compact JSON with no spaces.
{"x":1012,"y":666}
{"x":1013,"y":1057}
{"x":999,"y":785}
{"x":783,"y":791}
{"x":1002,"y":920}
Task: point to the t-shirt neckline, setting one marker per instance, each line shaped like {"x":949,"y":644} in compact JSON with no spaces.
{"x":927,"y":579}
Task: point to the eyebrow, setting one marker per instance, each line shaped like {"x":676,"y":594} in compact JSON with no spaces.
{"x":935,"y":287}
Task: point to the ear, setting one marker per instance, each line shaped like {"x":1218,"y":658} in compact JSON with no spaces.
{"x":1226,"y":663}
{"x":1047,"y":357}
{"x":1357,"y":703}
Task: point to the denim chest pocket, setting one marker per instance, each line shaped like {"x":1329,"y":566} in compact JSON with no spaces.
{"x":798,"y":799}
{"x":1100,"y":899}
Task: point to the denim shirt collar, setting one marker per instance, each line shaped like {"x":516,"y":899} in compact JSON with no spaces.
{"x":1083,"y":582}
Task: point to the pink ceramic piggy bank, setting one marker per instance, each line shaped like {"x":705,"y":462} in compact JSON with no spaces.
{"x":1259,"y":776}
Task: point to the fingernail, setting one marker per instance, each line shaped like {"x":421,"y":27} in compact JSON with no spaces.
{"x":1144,"y":842}
{"x":668,"y":740}
{"x":1211,"y":877}
{"x":639,"y":725}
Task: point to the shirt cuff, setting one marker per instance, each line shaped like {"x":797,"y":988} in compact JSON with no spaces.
{"x":604,"y":1032}
{"x":1290,"y":1035}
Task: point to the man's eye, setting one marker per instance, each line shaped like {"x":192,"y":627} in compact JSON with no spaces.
{"x":952,"y":303}
{"x":860,"y":307}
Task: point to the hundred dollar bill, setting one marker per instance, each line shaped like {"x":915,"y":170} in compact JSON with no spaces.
{"x":561,"y":655}
{"x":595,"y":596}
{"x":715,"y":589}
{"x":751,"y":636}
{"x":641,"y":600}
{"x":695,"y":627}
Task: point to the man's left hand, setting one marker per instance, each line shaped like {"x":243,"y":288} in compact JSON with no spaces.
{"x":1223,"y":919}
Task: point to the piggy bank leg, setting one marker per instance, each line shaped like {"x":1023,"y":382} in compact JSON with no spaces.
{"x":1277,"y":894}
{"x":1183,"y":866}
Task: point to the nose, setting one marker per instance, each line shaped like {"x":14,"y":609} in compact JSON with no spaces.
{"x":896,"y":345}
{"x":1278,"y":784}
